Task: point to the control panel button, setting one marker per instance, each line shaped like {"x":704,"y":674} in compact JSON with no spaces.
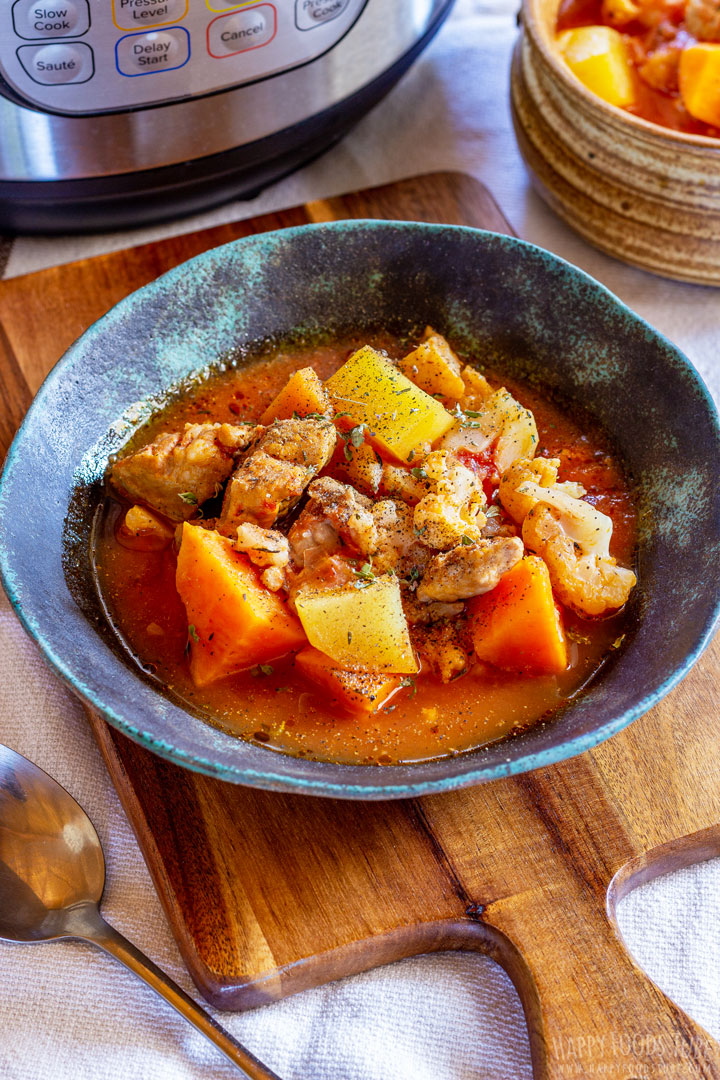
{"x":145,"y":54}
{"x":311,"y":13}
{"x":241,"y":30}
{"x":226,"y":5}
{"x":55,"y":64}
{"x":62,"y":19}
{"x":145,"y":14}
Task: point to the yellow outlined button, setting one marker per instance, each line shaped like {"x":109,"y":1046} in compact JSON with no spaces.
{"x":228,"y":5}
{"x":147,"y":14}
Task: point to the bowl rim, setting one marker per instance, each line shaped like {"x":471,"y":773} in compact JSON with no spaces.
{"x":266,"y":778}
{"x":532,"y":21}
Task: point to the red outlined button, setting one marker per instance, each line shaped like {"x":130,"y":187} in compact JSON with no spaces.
{"x":241,"y":31}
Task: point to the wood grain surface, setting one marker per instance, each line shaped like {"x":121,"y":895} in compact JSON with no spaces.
{"x":269,"y":894}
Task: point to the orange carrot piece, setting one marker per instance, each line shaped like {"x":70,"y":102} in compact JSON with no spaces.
{"x":356,"y":691}
{"x":517,"y":625}
{"x":303,"y":393}
{"x":234,"y":622}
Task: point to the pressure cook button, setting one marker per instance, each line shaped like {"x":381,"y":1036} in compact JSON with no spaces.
{"x":145,"y":54}
{"x":71,"y":63}
{"x":242,"y":30}
{"x":311,"y":13}
{"x":144,"y":14}
{"x":70,"y":18}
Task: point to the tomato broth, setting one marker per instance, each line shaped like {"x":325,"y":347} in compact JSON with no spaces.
{"x":275,"y":705}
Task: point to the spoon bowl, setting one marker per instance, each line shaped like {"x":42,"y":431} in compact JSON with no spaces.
{"x":52,"y":876}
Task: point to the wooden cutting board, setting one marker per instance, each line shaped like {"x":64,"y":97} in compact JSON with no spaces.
{"x":269,"y":894}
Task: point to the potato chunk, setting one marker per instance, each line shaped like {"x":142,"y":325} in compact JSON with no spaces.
{"x":398,"y":415}
{"x":234,"y":622}
{"x":598,"y":57}
{"x":361,"y":628}
{"x":700,"y":82}
{"x":434,"y":367}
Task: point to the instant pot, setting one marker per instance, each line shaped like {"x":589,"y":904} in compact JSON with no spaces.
{"x":120,"y":112}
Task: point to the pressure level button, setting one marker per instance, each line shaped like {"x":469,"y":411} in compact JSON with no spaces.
{"x":145,"y":14}
{"x":52,"y":20}
{"x":57,"y":64}
{"x":241,"y":30}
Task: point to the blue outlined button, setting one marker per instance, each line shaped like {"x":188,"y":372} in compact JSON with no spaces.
{"x":147,"y":54}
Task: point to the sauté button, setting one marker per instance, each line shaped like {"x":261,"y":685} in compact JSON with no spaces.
{"x":145,"y":54}
{"x":311,"y":13}
{"x":144,"y":14}
{"x":241,"y":30}
{"x":51,"y":64}
{"x":70,"y":18}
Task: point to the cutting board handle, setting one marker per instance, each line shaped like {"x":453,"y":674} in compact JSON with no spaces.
{"x":592,"y":1013}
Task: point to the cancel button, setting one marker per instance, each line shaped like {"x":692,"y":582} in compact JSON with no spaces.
{"x":242,"y":30}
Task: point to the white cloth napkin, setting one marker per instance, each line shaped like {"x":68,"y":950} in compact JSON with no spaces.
{"x":67,"y":1011}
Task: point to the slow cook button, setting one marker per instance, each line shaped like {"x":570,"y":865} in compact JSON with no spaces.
{"x":146,"y":54}
{"x":242,"y":30}
{"x":33,"y":20}
{"x":55,"y":64}
{"x":144,"y":14}
{"x":311,"y":13}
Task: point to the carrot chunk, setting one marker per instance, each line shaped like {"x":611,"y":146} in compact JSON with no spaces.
{"x":303,"y":393}
{"x":356,"y":691}
{"x":234,"y":621}
{"x":517,"y":625}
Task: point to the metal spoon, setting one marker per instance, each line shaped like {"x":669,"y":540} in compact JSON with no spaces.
{"x":52,"y":875}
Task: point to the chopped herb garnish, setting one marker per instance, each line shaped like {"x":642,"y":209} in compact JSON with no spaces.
{"x":357,"y":435}
{"x":466,"y":541}
{"x":347,"y":453}
{"x":193,"y":633}
{"x":365,"y":571}
{"x":189,"y":497}
{"x":261,"y":669}
{"x":411,"y":455}
{"x":492,"y":512}
{"x":405,"y":391}
{"x":618,"y":642}
{"x":575,"y":635}
{"x":410,"y":682}
{"x":472,"y":413}
{"x":419,"y":473}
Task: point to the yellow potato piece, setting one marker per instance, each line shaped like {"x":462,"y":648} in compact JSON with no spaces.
{"x":398,"y":415}
{"x":361,"y":628}
{"x":434,"y":367}
{"x":700,"y":82}
{"x":598,"y":56}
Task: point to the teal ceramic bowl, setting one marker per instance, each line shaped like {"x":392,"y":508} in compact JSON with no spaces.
{"x":499,"y":299}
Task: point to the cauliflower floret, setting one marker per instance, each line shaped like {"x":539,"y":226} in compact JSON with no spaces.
{"x":499,"y":417}
{"x":454,"y":508}
{"x":589,"y":583}
{"x":588,"y":528}
{"x":542,"y":471}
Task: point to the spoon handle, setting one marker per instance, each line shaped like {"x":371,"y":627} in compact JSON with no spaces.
{"x":95,"y":929}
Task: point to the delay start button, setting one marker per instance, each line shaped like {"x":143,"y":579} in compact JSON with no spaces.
{"x":53,"y":20}
{"x":146,"y":54}
{"x":241,"y":30}
{"x":312,"y":13}
{"x":59,"y":63}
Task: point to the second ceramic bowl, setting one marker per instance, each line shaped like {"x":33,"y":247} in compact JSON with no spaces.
{"x":646,"y":194}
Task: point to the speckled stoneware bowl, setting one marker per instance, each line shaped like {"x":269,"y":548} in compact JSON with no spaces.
{"x":498,"y":298}
{"x":643,"y":193}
